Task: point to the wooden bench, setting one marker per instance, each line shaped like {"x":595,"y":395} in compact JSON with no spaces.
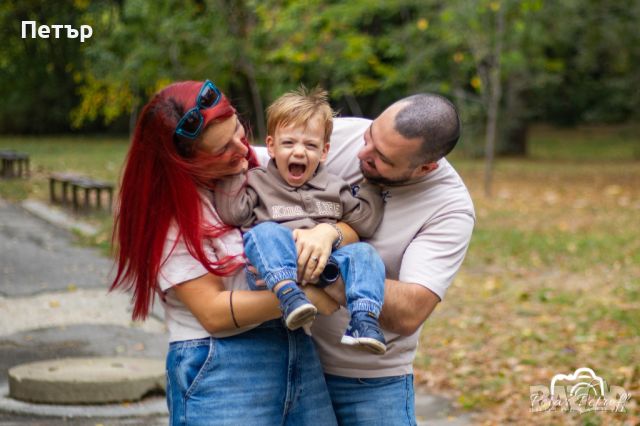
{"x":73,"y":185}
{"x":14,"y":164}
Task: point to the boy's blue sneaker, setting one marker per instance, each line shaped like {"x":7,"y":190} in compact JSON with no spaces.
{"x":364,"y":330}
{"x":296,"y":308}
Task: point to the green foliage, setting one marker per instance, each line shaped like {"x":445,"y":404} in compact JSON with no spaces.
{"x":594,"y":59}
{"x":146,"y":46}
{"x":37,"y":74}
{"x":565,"y":62}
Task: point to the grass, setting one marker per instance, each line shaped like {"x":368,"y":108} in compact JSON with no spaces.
{"x":98,"y":157}
{"x":586,"y":143}
{"x":551,"y":281}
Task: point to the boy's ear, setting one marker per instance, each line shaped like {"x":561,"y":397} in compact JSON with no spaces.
{"x":270,"y":142}
{"x":325,"y":152}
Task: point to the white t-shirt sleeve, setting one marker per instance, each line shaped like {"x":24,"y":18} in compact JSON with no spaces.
{"x":262,"y":154}
{"x":434,"y":256}
{"x":180,"y":265}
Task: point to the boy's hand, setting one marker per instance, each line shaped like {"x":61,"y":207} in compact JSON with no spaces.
{"x":314,"y":248}
{"x":259,"y":283}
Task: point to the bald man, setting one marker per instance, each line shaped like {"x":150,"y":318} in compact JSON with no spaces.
{"x":423,"y":238}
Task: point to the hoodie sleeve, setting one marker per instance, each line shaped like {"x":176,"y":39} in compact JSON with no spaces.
{"x":363,"y":207}
{"x":235,"y":201}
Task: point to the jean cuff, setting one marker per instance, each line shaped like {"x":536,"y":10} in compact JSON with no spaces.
{"x":366,"y":305}
{"x":279,"y":275}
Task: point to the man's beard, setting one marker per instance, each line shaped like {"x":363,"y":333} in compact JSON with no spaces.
{"x":386,"y":181}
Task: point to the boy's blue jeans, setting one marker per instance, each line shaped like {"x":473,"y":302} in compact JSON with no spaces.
{"x":271,"y":249}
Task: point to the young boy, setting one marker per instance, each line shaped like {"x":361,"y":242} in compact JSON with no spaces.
{"x":295,"y":191}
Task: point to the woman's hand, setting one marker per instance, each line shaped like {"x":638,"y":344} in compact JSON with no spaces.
{"x":314,"y":248}
{"x":321,"y":300}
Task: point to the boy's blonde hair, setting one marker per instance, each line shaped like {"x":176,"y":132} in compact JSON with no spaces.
{"x":298,"y":107}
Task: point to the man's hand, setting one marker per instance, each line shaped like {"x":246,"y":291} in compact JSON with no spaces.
{"x":314,"y":248}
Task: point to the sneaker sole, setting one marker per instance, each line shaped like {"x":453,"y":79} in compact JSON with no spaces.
{"x":349,"y":341}
{"x":372,"y":345}
{"x":300,"y":316}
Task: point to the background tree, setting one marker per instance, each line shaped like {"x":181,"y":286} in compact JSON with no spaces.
{"x":37,"y":74}
{"x":505,"y":63}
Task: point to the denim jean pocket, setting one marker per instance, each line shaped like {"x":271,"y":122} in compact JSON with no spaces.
{"x":195,"y":360}
{"x":168,"y":389}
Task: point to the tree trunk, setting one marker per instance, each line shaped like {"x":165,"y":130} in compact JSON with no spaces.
{"x":258,"y":105}
{"x":354,"y":106}
{"x":239,"y":17}
{"x":515,"y":122}
{"x":516,"y":138}
{"x":133,"y":115}
{"x":495,"y":93}
{"x":490,"y":137}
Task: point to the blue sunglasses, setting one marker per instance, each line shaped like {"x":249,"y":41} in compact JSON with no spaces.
{"x":191,"y":122}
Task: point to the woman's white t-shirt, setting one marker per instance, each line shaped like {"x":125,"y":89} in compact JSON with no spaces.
{"x":178,"y":266}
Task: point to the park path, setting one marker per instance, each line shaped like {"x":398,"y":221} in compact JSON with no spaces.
{"x":54,"y":303}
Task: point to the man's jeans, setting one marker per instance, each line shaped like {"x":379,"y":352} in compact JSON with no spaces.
{"x":384,"y":401}
{"x":265,"y":376}
{"x":272,"y":250}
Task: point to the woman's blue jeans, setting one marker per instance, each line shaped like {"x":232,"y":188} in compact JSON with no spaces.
{"x":265,"y":376}
{"x":270,"y":247}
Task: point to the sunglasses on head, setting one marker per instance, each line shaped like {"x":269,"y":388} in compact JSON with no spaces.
{"x":191,"y":122}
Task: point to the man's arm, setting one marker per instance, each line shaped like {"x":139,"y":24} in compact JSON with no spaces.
{"x":406,"y":305}
{"x":429,"y":264}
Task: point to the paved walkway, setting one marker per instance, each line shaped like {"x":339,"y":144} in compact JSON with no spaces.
{"x":53,"y":303}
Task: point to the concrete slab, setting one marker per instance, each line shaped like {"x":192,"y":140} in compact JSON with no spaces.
{"x":58,"y":217}
{"x":37,"y":257}
{"x":432,"y":406}
{"x":80,"y":306}
{"x":86,"y":380}
{"x":8,"y":419}
{"x":151,"y":411}
{"x":434,"y":410}
{"x":78,"y":341}
{"x":461,"y":420}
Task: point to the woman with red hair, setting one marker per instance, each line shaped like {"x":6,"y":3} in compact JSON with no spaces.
{"x":230,"y":358}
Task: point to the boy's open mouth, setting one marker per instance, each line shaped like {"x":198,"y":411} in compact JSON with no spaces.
{"x":297,"y":170}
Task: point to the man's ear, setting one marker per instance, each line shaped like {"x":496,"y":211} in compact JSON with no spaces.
{"x":325,"y":152}
{"x":427,"y":168}
{"x":270,"y":142}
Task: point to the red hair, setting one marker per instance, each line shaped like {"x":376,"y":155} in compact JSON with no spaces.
{"x":160,"y":182}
